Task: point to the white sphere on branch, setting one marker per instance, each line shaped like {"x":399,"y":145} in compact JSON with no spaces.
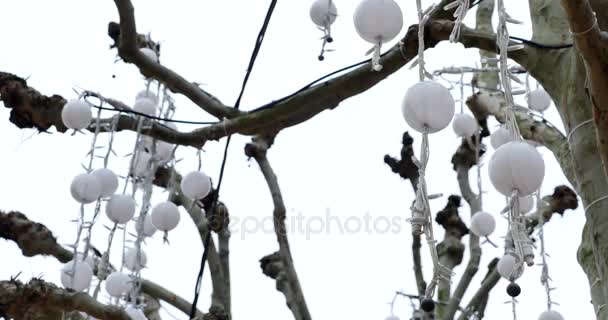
{"x":323,"y":13}
{"x":428,"y":104}
{"x":146,"y":94}
{"x":146,"y":106}
{"x":509,"y":267}
{"x":118,"y":283}
{"x":135,"y":314}
{"x":85,"y":188}
{"x":539,"y":100}
{"x":378,"y":21}
{"x":526,"y":204}
{"x":150,"y":54}
{"x":77,"y":278}
{"x":550,"y":315}
{"x":149,"y":228}
{"x":120,"y":208}
{"x":196,"y":185}
{"x":108,"y":180}
{"x":131,"y":261}
{"x":465,"y":125}
{"x":482,"y":224}
{"x":76,"y":114}
{"x":165,"y":216}
{"x":500,"y":136}
{"x":517,"y":166}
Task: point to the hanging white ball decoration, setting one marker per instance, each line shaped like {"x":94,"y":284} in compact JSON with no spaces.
{"x":378,"y":21}
{"x":120,"y":208}
{"x":108,"y":180}
{"x":149,"y":228}
{"x":392,"y":318}
{"x":146,"y":94}
{"x":499,"y":137}
{"x":550,"y":315}
{"x":509,"y":268}
{"x":85,"y":188}
{"x":526,"y":204}
{"x":539,"y":100}
{"x":131,"y":261}
{"x":118,"y":283}
{"x":135,"y":314}
{"x":76,"y":114}
{"x":465,"y":125}
{"x":150,"y":54}
{"x":77,"y":279}
{"x":146,"y":106}
{"x":165,"y":216}
{"x":196,"y":185}
{"x":516,"y":166}
{"x":323,"y":13}
{"x":428,"y":104}
{"x":482,"y":224}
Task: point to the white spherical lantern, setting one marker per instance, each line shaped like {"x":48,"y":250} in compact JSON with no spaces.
{"x":465,"y":125}
{"x":118,"y":283}
{"x":323,"y":13}
{"x":378,"y":21}
{"x":482,"y":224}
{"x":539,"y":100}
{"x":146,"y":94}
{"x":428,"y":104}
{"x":85,"y":188}
{"x":550,"y":315}
{"x":392,"y":318}
{"x":76,"y":114}
{"x":509,"y":268}
{"x":131,"y":261}
{"x":196,"y":185}
{"x":526,"y":204}
{"x":165,"y":216}
{"x":135,"y":314}
{"x":120,"y":208}
{"x":517,"y":166}
{"x":150,"y":54}
{"x":108,"y":180}
{"x":146,"y":106}
{"x":499,"y":137}
{"x":149,"y":228}
{"x":78,"y":278}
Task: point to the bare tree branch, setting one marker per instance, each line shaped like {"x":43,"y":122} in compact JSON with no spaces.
{"x":280,"y":262}
{"x":129,"y":52}
{"x":480,"y":298}
{"x":158,"y":292}
{"x":28,"y":301}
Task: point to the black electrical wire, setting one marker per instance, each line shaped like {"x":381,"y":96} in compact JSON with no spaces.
{"x":153,"y":117}
{"x":254,"y":54}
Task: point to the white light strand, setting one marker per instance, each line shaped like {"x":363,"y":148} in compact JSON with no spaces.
{"x":544,"y":278}
{"x":423,"y":17}
{"x":462,"y":92}
{"x":327,"y":38}
{"x":422,"y":221}
{"x":462,"y":7}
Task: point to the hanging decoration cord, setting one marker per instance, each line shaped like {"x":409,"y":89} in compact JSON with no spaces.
{"x":462,"y":7}
{"x":252,"y":60}
{"x":544,"y":278}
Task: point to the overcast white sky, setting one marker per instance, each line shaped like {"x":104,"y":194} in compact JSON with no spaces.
{"x":332,"y":164}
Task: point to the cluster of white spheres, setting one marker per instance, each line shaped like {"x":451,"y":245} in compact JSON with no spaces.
{"x":88,"y":187}
{"x":76,"y":114}
{"x":500,"y":136}
{"x":550,"y":315}
{"x":120,"y":208}
{"x":428,"y":106}
{"x":131,"y":261}
{"x":526,"y":204}
{"x":465,"y":125}
{"x":196,"y":185}
{"x":509,"y":267}
{"x":378,"y":21}
{"x":135,"y":314}
{"x":118,"y":283}
{"x":150,"y":54}
{"x":77,"y":278}
{"x":323,"y":13}
{"x":482,"y":224}
{"x":517,"y":166}
{"x":165,"y":216}
{"x":539,"y":100}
